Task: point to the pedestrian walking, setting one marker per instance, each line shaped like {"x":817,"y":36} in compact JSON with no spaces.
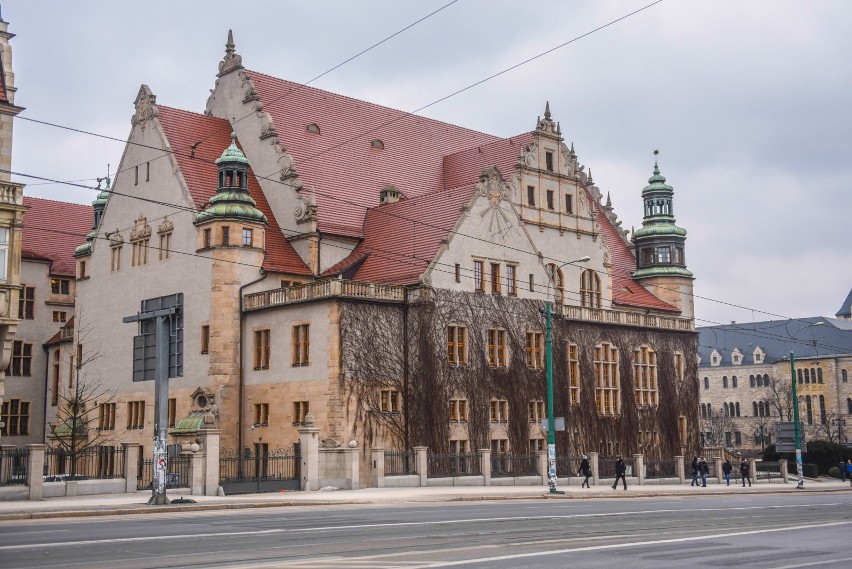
{"x":842,"y":468}
{"x":727,"y":468}
{"x":744,"y":471}
{"x":694,"y":471}
{"x":705,"y":470}
{"x":620,"y":471}
{"x":849,"y":472}
{"x":586,"y":470}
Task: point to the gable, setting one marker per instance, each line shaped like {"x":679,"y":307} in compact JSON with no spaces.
{"x":41,"y":241}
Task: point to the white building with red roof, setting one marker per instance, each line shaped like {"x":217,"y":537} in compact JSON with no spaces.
{"x":375,"y":269}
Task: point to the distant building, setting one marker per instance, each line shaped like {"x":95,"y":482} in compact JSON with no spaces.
{"x":845,"y":312}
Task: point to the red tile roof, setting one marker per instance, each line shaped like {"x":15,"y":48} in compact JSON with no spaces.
{"x":396,"y":248}
{"x":462,"y":168}
{"x":625,"y":290}
{"x":42,"y":238}
{"x":352,"y":170}
{"x":183,"y":129}
{"x":57,"y":338}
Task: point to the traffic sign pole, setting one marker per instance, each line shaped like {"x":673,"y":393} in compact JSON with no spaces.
{"x":801,"y":483}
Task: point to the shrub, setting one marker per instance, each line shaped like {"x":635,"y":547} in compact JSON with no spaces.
{"x":834,"y":472}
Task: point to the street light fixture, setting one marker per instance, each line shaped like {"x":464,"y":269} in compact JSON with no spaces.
{"x":548,"y":340}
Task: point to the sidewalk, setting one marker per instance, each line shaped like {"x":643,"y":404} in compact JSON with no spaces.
{"x":114,"y":504}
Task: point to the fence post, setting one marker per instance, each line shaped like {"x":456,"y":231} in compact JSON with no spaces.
{"x":639,"y":468}
{"x":377,"y":474}
{"x":196,"y":473}
{"x":541,"y":460}
{"x":35,"y":469}
{"x":5,"y":473}
{"x":421,"y":454}
{"x":131,"y":466}
{"x":485,"y":465}
{"x":720,"y":476}
{"x":679,"y":469}
{"x":309,"y":447}
{"x":752,"y":465}
{"x":593,"y":462}
{"x":210,"y":445}
{"x":782,"y":463}
{"x":353,"y":469}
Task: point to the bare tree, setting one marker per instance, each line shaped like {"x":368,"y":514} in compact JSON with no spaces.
{"x":715,"y":428}
{"x":763,"y":429}
{"x":781,"y":398}
{"x":832,"y":430}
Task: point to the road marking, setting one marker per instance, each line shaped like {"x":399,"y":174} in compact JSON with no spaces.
{"x":815,"y":563}
{"x":132,"y":539}
{"x":626,"y":545}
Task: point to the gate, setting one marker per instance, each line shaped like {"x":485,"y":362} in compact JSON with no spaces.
{"x":265,"y":471}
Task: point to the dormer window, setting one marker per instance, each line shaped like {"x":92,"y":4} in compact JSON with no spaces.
{"x":377,"y":144}
{"x":715,"y":358}
{"x":313,"y":128}
{"x":736,"y":357}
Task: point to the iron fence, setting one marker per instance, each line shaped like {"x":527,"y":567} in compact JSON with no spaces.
{"x":177,"y":472}
{"x":660,"y":468}
{"x":93,"y":463}
{"x":400,"y":462}
{"x":444,"y":465}
{"x":13,"y":466}
{"x":568,"y":465}
{"x":514,"y":465}
{"x":767,"y":470}
{"x":278,"y":464}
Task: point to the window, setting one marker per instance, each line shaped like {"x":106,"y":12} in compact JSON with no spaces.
{"x":534,"y":351}
{"x":172,"y":411}
{"x":737,"y":407}
{"x":135,"y":414}
{"x":607,"y":393}
{"x":499,"y":446}
{"x":645,"y":376}
{"x":532,"y":282}
{"x":548,"y":161}
{"x":844,"y":375}
{"x":738,"y":438}
{"x":807,"y":375}
{"x":60,"y":286}
{"x":456,"y":345}
{"x":248,"y":237}
{"x":849,"y":405}
{"x":706,"y":383}
{"x":678,"y":365}
{"x":459,"y":447}
{"x":458,"y":410}
{"x":139,"y":252}
{"x":537,"y":445}
{"x":300,"y":411}
{"x":733,"y":382}
{"x":819,"y":375}
{"x":554,"y":273}
{"x":496,"y":347}
{"x":22,"y":359}
{"x":573,"y":375}
{"x":499,"y":411}
{"x":313,"y":128}
{"x":115,"y":258}
{"x":511,"y":280}
{"x":751,"y":381}
{"x":26,"y":303}
{"x":809,"y":406}
{"x":59,"y":316}
{"x":377,"y":144}
{"x":261,"y":414}
{"x":724,"y":382}
{"x":590,"y":289}
{"x":15,"y":416}
{"x":799,"y":373}
{"x":106,"y":417}
{"x":205,"y":339}
{"x":569,"y":203}
{"x":664,"y":255}
{"x":479,"y":275}
{"x":495,"y":278}
{"x":822,"y":417}
{"x":208,"y":240}
{"x":147,"y":171}
{"x":549,"y":199}
{"x":4,"y":252}
{"x":261,"y":349}
{"x":703,"y":410}
{"x":165,"y":245}
{"x":301,"y":344}
{"x":226,"y":235}
{"x":136,"y":175}
{"x":536,"y":411}
{"x":531,"y":196}
{"x":54,"y":382}
{"x":389,"y":401}
{"x":458,"y":273}
{"x":82,"y":269}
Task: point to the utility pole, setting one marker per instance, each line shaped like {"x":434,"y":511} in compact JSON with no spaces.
{"x":551,"y":427}
{"x":801,"y":482}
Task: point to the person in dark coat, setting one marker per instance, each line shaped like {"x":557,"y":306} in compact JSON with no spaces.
{"x":849,"y":472}
{"x":842,"y":468}
{"x":694,"y":471}
{"x":620,"y":472}
{"x":586,"y":470}
{"x":727,"y":468}
{"x":705,"y":470}
{"x":744,"y":471}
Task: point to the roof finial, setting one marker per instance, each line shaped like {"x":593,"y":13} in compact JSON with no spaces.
{"x":547,"y":111}
{"x":229,"y":47}
{"x":608,"y":200}
{"x":656,"y":167}
{"x":232,"y":60}
{"x":590,"y":181}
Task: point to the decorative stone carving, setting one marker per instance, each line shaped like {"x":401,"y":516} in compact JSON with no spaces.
{"x":249,"y":91}
{"x":141,"y":229}
{"x":531,"y":154}
{"x":208,"y":108}
{"x":267,"y":127}
{"x":491,"y":185}
{"x":166,"y":226}
{"x":115,"y":238}
{"x":329,"y":443}
{"x":146,"y":107}
{"x":232,"y":59}
{"x":306,"y":209}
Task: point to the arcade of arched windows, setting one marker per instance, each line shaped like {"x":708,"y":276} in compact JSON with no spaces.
{"x":811,"y":402}
{"x":758,"y":380}
{"x":809,"y":375}
{"x":761,"y":409}
{"x":590,"y":289}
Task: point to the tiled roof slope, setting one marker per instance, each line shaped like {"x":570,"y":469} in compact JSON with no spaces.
{"x":625,"y":290}
{"x":398,"y":249}
{"x":183,"y":129}
{"x":57,"y":338}
{"x":352,"y":170}
{"x":461,"y":168}
{"x":846,"y":309}
{"x":41,"y":240}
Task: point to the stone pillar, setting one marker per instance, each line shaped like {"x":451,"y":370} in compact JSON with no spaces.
{"x":485,"y":465}
{"x":35,"y":470}
{"x":196,"y":473}
{"x":353,"y":469}
{"x":752,"y":466}
{"x":210,"y":447}
{"x":541,"y":460}
{"x":309,"y":448}
{"x":5,"y":473}
{"x":377,"y":474}
{"x":131,"y":466}
{"x":593,"y":462}
{"x":783,"y":464}
{"x":720,"y":476}
{"x":639,"y":468}
{"x":420,"y":457}
{"x":680,"y":469}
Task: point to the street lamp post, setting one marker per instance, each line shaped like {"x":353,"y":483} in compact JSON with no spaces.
{"x":801,"y":476}
{"x":548,"y":351}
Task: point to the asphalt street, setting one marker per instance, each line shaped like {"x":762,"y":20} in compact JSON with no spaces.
{"x":777,"y":531}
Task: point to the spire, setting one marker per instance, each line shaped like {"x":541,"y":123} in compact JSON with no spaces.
{"x":608,"y":200}
{"x":229,"y":47}
{"x":232,"y":59}
{"x":547,"y":111}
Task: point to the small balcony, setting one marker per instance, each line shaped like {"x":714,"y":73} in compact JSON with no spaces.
{"x":320,"y":290}
{"x":626,"y":318}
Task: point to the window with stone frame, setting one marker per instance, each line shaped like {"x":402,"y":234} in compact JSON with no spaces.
{"x":678,"y":366}
{"x":573,"y":374}
{"x":548,"y":161}
{"x":54,"y":382}
{"x":226,"y":235}
{"x":115,"y":258}
{"x":390,"y":401}
{"x":607,"y":388}
{"x":60,"y":286}
{"x":261,"y":414}
{"x":139,"y":252}
{"x":458,"y":410}
{"x":569,"y":203}
{"x":15,"y":417}
{"x":479,"y":276}
{"x":205,"y":338}
{"x":557,"y":281}
{"x":4,"y":253}
{"x":106,"y":416}
{"x":537,"y":445}
{"x":135,"y":414}
{"x":511,"y":280}
{"x":26,"y":303}
{"x":60,"y":316}
{"x":496,"y":347}
{"x":550,"y":199}
{"x":590,"y":289}
{"x":495,"y":278}
{"x":531,"y":196}
{"x":301,"y":336}
{"x":172,"y":411}
{"x":261,"y":349}
{"x":499,"y":411}
{"x":536,"y":412}
{"x":22,"y":359}
{"x":645,"y":376}
{"x":535,"y":350}
{"x":208,"y":237}
{"x":165,"y":245}
{"x":459,"y":447}
{"x":499,"y":446}
{"x":456,"y":345}
{"x":248,"y":237}
{"x":300,"y":411}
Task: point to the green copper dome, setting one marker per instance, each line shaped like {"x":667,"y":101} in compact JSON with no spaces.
{"x":233,"y":153}
{"x":657,"y":182}
{"x":232,"y":199}
{"x":99,"y":205}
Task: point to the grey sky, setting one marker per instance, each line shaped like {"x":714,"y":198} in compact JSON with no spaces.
{"x":748,"y":103}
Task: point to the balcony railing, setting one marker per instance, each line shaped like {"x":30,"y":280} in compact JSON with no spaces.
{"x":626,"y":318}
{"x":323,"y":289}
{"x":11,"y":193}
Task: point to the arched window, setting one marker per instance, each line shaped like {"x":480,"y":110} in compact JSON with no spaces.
{"x":822,"y":417}
{"x":849,"y":405}
{"x":765,"y":380}
{"x":810,"y":409}
{"x":377,"y":144}
{"x":313,"y":128}
{"x":607,"y":392}
{"x":807,"y":375}
{"x":557,"y":282}
{"x":725,"y":382}
{"x":799,"y":373}
{"x":590,"y":289}
{"x":738,"y":408}
{"x":734,"y":382}
{"x":751,"y":380}
{"x":819,"y":375}
{"x":645,"y":376}
{"x":754,"y":408}
{"x":703,"y":411}
{"x":845,"y":375}
{"x":706,"y":383}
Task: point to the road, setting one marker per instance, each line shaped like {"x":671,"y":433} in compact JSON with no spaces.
{"x":777,"y":531}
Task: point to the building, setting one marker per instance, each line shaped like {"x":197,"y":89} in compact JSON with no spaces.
{"x":384,"y":273}
{"x":744,"y":371}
